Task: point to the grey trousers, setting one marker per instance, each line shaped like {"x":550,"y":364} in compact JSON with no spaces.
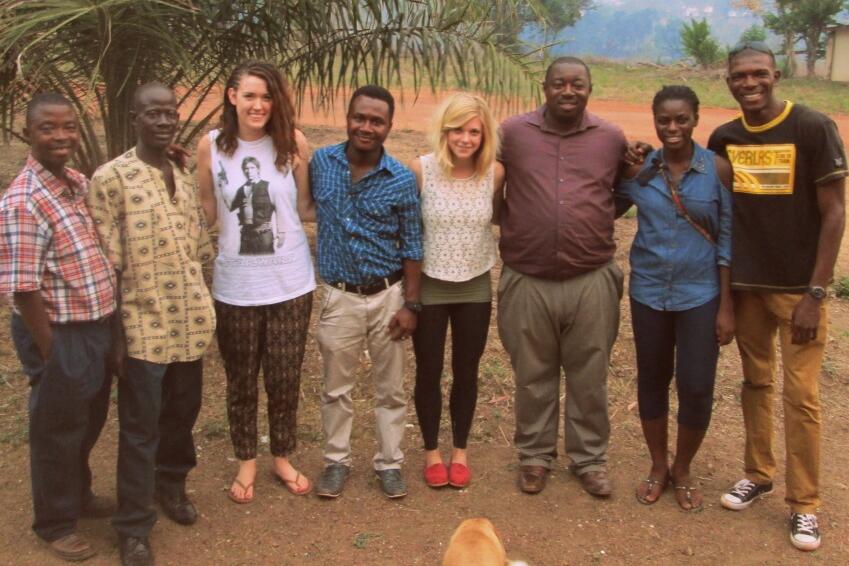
{"x":348,"y":323}
{"x":546,"y":325}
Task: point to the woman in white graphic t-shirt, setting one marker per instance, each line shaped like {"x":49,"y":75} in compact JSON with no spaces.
{"x":253,"y":180}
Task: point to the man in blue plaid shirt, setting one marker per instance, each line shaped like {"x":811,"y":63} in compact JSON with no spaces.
{"x":369,"y":256}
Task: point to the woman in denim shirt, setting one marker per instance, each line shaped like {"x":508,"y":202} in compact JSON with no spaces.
{"x":681,"y":307}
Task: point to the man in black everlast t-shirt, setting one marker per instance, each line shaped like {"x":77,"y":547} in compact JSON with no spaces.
{"x":789,"y":175}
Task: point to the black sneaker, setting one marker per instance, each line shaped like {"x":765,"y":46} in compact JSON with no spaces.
{"x":804,"y":531}
{"x":332,"y":480}
{"x":743,"y":494}
{"x":392,"y":483}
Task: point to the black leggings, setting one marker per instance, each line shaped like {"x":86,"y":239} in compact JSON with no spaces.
{"x":666,"y":339}
{"x":469,"y":329}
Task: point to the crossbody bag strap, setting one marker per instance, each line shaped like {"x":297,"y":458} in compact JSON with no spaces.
{"x":679,"y":205}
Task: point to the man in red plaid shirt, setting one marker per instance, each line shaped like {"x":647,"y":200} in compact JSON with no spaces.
{"x":63,"y":291}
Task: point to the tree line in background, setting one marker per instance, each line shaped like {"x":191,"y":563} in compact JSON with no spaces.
{"x":795,"y":21}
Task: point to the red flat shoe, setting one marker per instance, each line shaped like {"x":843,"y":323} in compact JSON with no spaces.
{"x":459,"y":475}
{"x":436,"y":475}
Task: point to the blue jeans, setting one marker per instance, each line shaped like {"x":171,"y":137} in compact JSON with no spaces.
{"x":68,"y":403}
{"x":157,"y":408}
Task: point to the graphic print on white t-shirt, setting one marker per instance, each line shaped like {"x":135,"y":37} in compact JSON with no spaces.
{"x":254,"y":210}
{"x":263,"y":253}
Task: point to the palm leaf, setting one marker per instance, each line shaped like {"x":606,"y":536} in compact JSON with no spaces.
{"x":97,"y":52}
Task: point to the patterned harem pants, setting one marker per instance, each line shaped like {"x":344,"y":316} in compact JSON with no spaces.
{"x":272,"y":337}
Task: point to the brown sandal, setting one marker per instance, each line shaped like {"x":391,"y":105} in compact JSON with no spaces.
{"x":688,"y":490}
{"x":245,"y":488}
{"x":292,"y":485}
{"x":652,"y":483}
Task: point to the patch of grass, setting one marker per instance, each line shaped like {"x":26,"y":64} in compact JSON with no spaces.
{"x":493,"y":367}
{"x":15,"y":433}
{"x":841,"y":287}
{"x":630,"y":213}
{"x":215,"y":430}
{"x":361,"y":540}
{"x":637,"y":84}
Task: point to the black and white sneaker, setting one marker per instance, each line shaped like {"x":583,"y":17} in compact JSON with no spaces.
{"x":743,"y":494}
{"x":804,"y":531}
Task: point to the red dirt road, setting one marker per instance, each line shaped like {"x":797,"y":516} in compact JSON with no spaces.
{"x":634,"y":119}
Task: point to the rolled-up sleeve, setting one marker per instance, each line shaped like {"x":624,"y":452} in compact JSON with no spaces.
{"x":410,"y":223}
{"x":23,"y":249}
{"x":723,"y":242}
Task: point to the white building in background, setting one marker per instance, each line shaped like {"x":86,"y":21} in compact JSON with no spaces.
{"x":837,"y":53}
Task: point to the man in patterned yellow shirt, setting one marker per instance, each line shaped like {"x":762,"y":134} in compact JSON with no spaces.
{"x":147,"y":213}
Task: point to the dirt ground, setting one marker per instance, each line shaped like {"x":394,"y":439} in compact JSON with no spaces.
{"x":563,"y":525}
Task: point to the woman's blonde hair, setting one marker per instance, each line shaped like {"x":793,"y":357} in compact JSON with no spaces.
{"x":455,"y":111}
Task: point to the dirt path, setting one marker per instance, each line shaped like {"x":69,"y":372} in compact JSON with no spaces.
{"x":561,"y":526}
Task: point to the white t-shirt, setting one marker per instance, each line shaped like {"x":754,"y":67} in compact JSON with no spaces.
{"x":263,"y":253}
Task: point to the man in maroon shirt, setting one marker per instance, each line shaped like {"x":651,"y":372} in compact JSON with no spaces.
{"x":558,"y":298}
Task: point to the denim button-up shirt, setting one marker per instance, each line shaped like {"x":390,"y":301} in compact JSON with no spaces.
{"x":365,"y":229}
{"x":674,"y":267}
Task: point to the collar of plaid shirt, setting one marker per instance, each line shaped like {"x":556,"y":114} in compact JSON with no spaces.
{"x":76,"y":183}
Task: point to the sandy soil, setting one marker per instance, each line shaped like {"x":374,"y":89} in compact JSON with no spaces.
{"x":563,"y":525}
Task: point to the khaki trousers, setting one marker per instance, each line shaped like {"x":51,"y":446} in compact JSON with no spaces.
{"x":349,"y":323}
{"x":545,"y":325}
{"x":759,"y":317}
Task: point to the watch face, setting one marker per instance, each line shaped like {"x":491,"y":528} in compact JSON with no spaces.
{"x":415,"y":307}
{"x":817,"y":292}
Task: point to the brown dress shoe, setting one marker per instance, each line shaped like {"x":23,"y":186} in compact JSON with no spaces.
{"x":72,"y":548}
{"x":596,"y":483}
{"x":532,"y":478}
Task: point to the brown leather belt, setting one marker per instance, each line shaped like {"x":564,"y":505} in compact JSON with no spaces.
{"x":371,"y":288}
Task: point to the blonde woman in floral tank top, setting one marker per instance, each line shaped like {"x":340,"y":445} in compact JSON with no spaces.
{"x":461,"y":188}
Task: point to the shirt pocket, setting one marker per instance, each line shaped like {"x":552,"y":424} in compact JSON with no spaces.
{"x":322,"y":187}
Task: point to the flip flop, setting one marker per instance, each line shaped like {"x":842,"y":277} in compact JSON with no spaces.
{"x":292,"y":485}
{"x":688,"y":495}
{"x":651,"y":483}
{"x":245,"y":488}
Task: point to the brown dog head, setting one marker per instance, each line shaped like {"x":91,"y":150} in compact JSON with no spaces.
{"x":475,"y":543}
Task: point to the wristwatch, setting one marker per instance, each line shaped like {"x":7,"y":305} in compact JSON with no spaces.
{"x":819,"y":293}
{"x":413,"y":306}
